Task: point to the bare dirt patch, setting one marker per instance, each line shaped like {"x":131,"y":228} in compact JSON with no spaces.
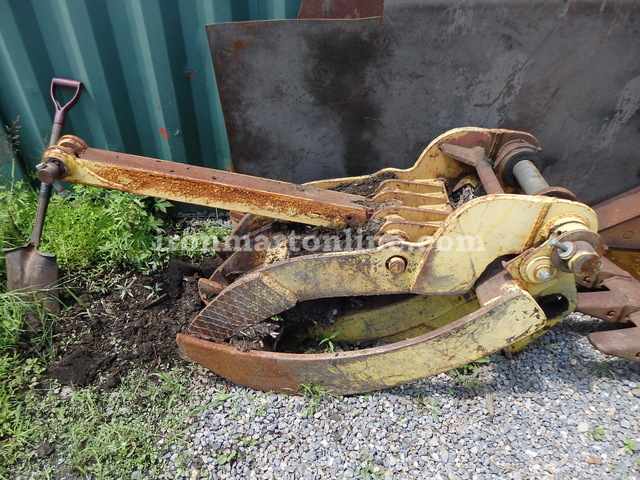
{"x":134,"y":325}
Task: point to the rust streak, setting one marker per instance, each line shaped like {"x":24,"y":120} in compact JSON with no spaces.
{"x":217,"y":188}
{"x":164,"y":133}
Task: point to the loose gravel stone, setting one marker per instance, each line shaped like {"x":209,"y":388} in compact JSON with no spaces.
{"x":559,"y":410}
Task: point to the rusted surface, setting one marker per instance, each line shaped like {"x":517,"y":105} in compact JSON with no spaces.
{"x":354,"y":96}
{"x":620,"y":220}
{"x":585,"y":260}
{"x":480,"y":333}
{"x":250,"y":301}
{"x":216,"y":188}
{"x":341,"y":8}
{"x":609,"y":269}
{"x":615,"y":297}
{"x":624,"y":343}
{"x":627,"y":259}
{"x":477,"y":158}
{"x":34,"y":273}
{"x":517,"y":164}
{"x":509,"y":154}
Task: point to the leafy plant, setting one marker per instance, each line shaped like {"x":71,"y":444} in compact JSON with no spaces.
{"x":228,"y":456}
{"x":431,"y":405}
{"x":467,"y":375}
{"x":199,"y":238}
{"x":597,"y":433}
{"x":220,"y":398}
{"x":629,"y":445}
{"x":368,"y":469}
{"x":328,"y":342}
{"x":315,"y":394}
{"x":111,"y":228}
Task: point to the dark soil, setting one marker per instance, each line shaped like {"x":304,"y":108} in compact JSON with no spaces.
{"x":134,"y":326}
{"x":365,"y":187}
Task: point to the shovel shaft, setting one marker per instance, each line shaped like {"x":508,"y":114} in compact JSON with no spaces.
{"x":43,"y":202}
{"x":44,"y":194}
{"x":56,"y":133}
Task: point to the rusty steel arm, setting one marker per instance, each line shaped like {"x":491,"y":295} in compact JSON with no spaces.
{"x":72,"y":160}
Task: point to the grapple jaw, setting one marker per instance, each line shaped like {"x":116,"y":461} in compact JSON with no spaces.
{"x":400,"y":274}
{"x":442,"y":274}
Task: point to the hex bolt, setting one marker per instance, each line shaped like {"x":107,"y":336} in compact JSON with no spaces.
{"x":396,"y":265}
{"x":544,"y":274}
{"x":585,"y":260}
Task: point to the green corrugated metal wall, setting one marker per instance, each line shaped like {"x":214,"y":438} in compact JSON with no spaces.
{"x":145,"y":65}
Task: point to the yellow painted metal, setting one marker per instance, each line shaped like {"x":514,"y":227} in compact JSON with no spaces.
{"x":563,"y":284}
{"x":434,"y":213}
{"x":487,"y":228}
{"x":510,"y":316}
{"x":426,"y":186}
{"x":399,"y":320}
{"x":433,"y":164}
{"x":411,"y":199}
{"x":487,"y":330}
{"x":629,"y":260}
{"x":442,"y":253}
{"x":202,"y":186}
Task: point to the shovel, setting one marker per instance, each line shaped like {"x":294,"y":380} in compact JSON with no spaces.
{"x":29,"y":269}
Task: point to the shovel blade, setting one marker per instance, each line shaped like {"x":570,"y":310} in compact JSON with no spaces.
{"x":33,"y":272}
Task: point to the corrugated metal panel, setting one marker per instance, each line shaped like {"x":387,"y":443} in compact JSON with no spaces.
{"x":150,"y":88}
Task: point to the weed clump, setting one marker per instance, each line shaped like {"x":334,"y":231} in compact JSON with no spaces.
{"x":91,"y":228}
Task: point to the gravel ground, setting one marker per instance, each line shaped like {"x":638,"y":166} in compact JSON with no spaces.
{"x":559,"y":410}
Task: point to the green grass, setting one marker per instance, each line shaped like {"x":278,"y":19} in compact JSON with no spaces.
{"x":94,"y":233}
{"x":467,"y":375}
{"x":314,"y":393}
{"x":629,"y":445}
{"x":327,"y":342}
{"x":102,"y":435}
{"x":597,"y":433}
{"x":97,"y":434}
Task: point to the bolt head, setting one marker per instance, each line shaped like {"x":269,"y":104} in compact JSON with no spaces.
{"x":397,"y":265}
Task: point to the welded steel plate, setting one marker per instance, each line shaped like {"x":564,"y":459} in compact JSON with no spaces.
{"x":312,"y":99}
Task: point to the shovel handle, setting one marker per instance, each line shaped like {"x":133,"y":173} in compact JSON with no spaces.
{"x":61,"y":110}
{"x":43,"y":202}
{"x":44,"y":195}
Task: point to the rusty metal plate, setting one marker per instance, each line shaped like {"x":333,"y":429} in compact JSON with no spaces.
{"x":624,"y":343}
{"x":341,"y":8}
{"x":311,"y":99}
{"x":619,"y":219}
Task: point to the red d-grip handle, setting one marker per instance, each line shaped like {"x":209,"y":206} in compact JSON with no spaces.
{"x":61,"y":110}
